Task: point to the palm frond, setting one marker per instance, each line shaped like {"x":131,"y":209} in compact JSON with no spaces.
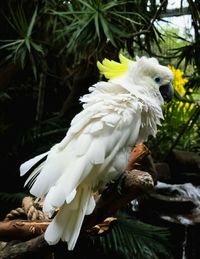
{"x":135,"y":239}
{"x":23,"y":48}
{"x":93,"y":24}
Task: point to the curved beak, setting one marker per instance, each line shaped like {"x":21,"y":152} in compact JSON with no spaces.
{"x":167,"y":92}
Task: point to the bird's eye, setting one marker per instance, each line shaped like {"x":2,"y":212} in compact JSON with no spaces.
{"x":157,"y":79}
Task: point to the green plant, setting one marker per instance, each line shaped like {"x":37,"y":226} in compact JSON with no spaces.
{"x":180,"y":128}
{"x":132,"y":238}
{"x":25,"y":46}
{"x":94,"y":24}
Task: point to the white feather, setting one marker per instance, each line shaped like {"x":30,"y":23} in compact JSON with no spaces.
{"x":25,"y":167}
{"x":82,"y":144}
{"x":33,"y":176}
{"x":95,"y":127}
{"x":67,"y":223}
{"x":98,"y":151}
{"x":111,"y":119}
{"x":115,"y":116}
{"x":70,"y":196}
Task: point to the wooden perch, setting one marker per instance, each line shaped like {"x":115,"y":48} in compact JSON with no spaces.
{"x":18,"y":250}
{"x":21,"y":229}
{"x":130,"y":185}
{"x":139,"y":152}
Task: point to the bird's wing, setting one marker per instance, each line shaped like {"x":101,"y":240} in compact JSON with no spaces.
{"x":106,"y":125}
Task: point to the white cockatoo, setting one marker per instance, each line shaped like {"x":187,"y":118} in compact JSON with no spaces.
{"x":116,"y":115}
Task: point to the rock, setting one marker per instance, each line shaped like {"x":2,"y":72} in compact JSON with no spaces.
{"x":163,"y":172}
{"x":184,"y":166}
{"x":167,"y":204}
{"x":178,"y":203}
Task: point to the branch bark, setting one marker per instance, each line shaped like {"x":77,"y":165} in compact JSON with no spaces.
{"x":18,"y":250}
{"x":21,"y":229}
{"x":126,"y":188}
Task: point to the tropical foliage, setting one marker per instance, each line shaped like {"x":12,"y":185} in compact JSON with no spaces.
{"x":180,"y":129}
{"x":132,"y":238}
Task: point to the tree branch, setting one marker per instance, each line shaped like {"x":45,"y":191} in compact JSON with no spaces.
{"x":126,"y":188}
{"x":175,"y":12}
{"x":21,"y":229}
{"x":18,"y":250}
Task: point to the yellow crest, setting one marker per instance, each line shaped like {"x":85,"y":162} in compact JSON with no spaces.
{"x":112,"y":69}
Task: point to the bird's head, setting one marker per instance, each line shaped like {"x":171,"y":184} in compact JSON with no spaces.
{"x":144,"y":72}
{"x":149,"y":71}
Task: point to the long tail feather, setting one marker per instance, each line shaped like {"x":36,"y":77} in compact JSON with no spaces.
{"x":67,"y":223}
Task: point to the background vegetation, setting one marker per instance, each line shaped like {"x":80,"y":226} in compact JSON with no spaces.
{"x":48,"y":55}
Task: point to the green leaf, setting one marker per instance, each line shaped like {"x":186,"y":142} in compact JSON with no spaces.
{"x":27,"y":42}
{"x":113,"y":4}
{"x":78,"y":32}
{"x":86,"y":4}
{"x":23,"y":59}
{"x":34,"y":67}
{"x":119,"y":15}
{"x":135,"y":239}
{"x":106,"y":30}
{"x":96,"y":19}
{"x":12,"y":43}
{"x":37,"y":47}
{"x":33,"y":19}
